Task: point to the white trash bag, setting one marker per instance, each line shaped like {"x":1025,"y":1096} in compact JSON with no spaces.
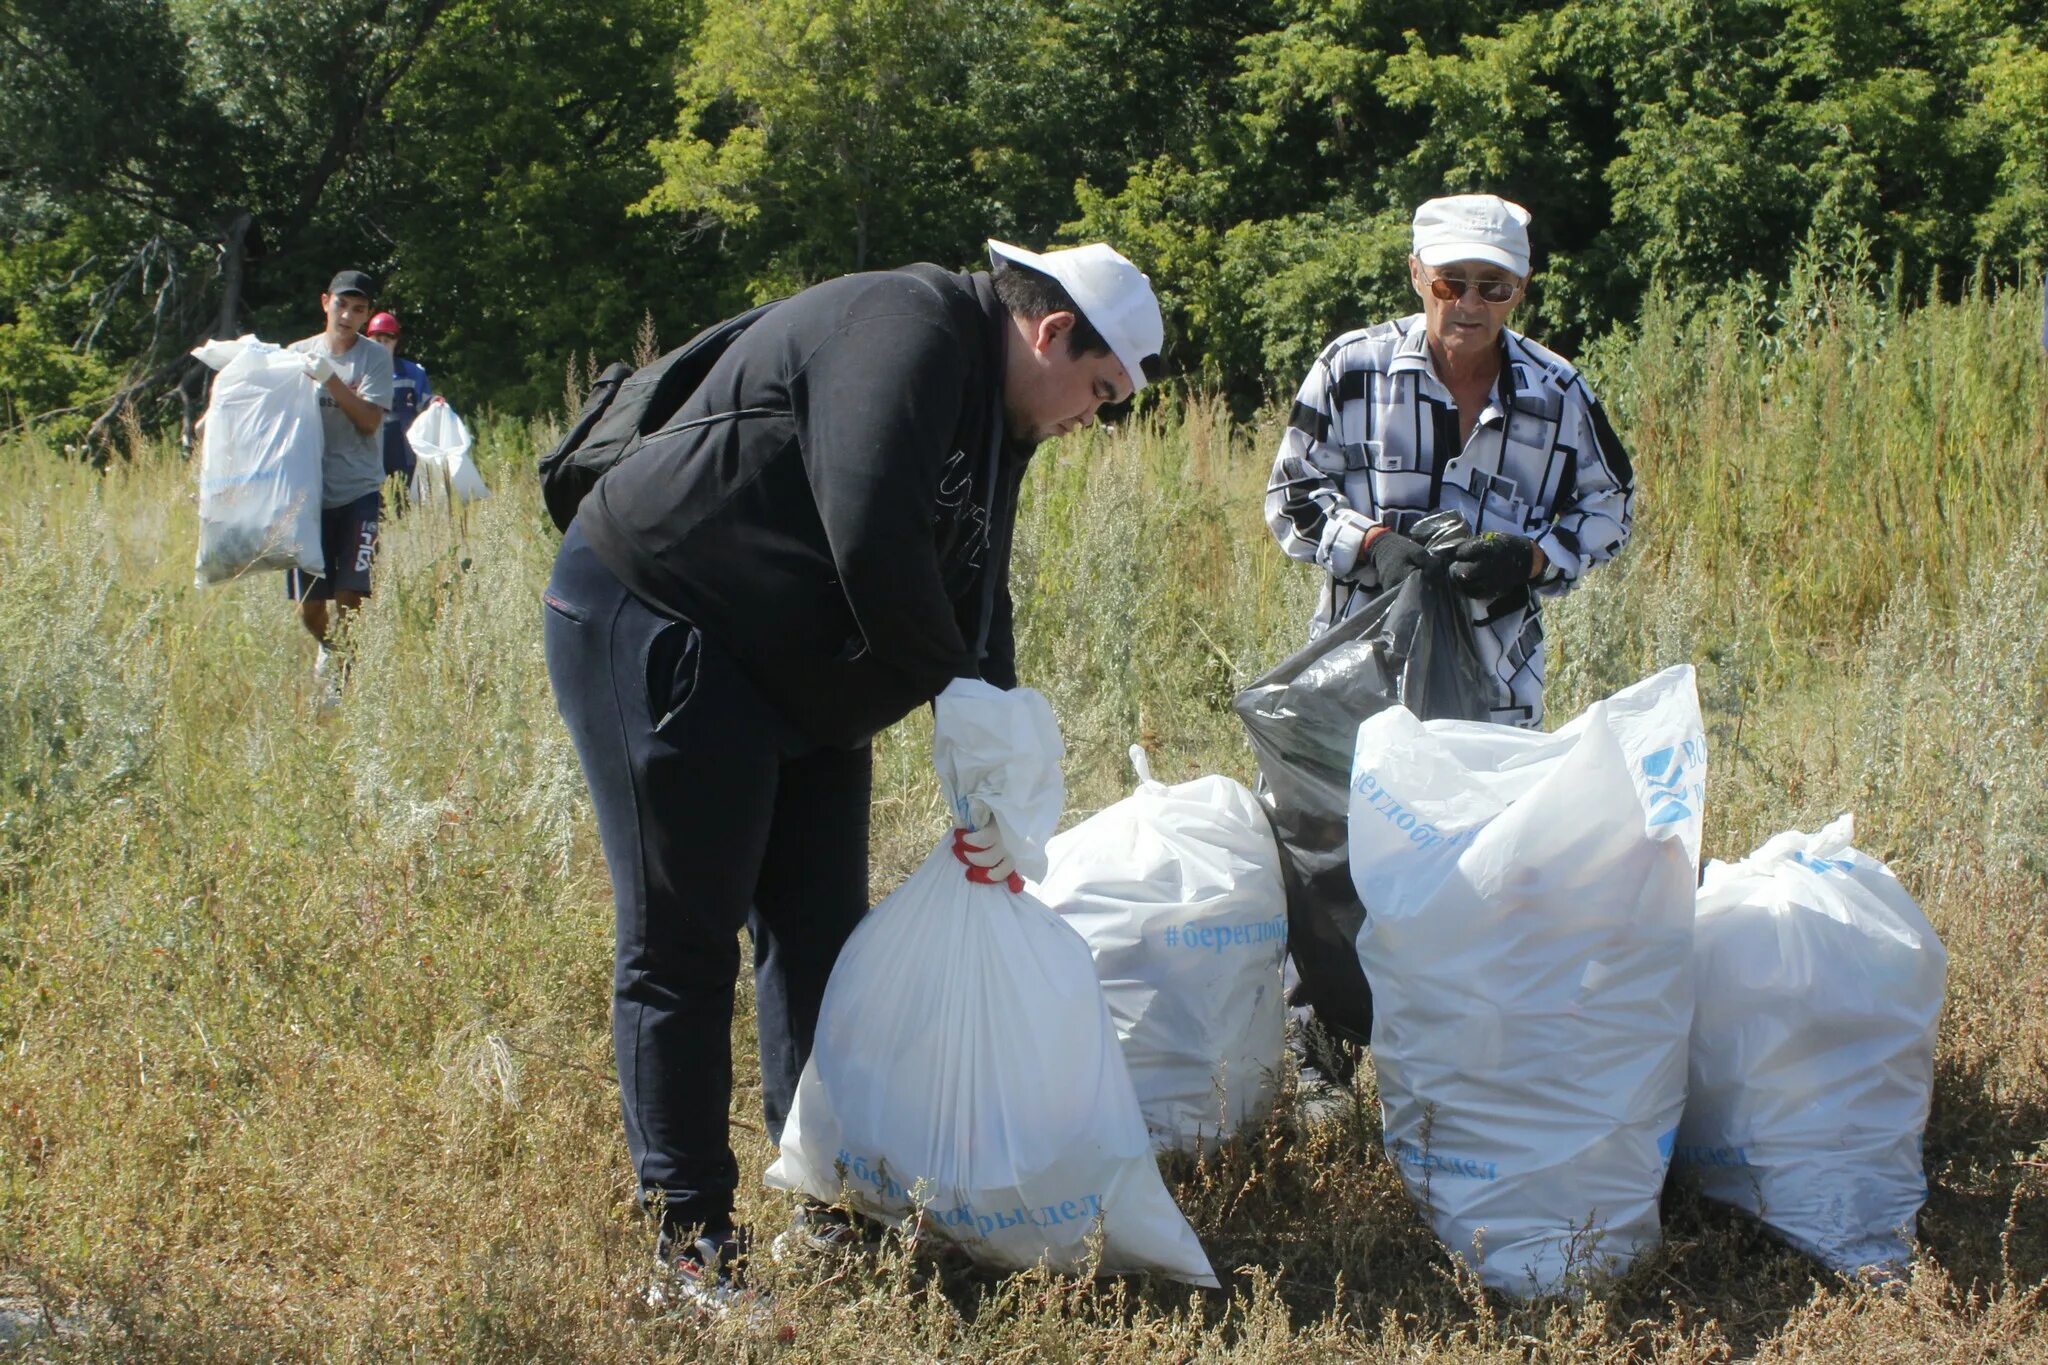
{"x":260,"y":463}
{"x":965,"y":1063}
{"x":1177,"y":890}
{"x":444,"y":470}
{"x":1820,"y":984}
{"x":1528,"y":937}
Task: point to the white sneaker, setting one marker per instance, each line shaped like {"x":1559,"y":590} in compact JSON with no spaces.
{"x":326,"y":681}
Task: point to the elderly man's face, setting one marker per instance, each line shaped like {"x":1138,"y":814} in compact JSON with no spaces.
{"x":1466,"y":325}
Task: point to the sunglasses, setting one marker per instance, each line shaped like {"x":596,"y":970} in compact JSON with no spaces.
{"x":1450,"y":288}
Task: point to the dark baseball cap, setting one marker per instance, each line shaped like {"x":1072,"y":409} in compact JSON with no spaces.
{"x":353,"y":282}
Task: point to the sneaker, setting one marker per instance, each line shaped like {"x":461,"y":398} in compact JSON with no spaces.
{"x":708,"y":1276}
{"x":327,"y":672}
{"x":825,"y":1230}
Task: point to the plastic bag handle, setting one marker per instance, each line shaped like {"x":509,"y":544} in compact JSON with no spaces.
{"x":1835,"y":837}
{"x":1143,"y":764}
{"x":1830,"y":841}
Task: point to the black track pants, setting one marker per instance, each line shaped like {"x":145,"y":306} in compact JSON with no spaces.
{"x":713,"y":813}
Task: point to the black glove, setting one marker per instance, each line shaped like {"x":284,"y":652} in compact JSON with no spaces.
{"x":1493,"y":564}
{"x":1393,"y":557}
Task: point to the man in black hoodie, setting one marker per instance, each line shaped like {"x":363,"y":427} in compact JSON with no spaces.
{"x":818,"y":545}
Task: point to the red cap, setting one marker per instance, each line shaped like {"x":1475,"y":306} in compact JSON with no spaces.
{"x":382,"y":323}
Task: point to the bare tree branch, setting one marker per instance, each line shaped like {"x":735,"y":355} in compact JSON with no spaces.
{"x":99,"y":436}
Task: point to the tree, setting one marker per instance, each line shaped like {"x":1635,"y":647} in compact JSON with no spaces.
{"x":2011,"y":119}
{"x":506,"y":165}
{"x":820,"y":136}
{"x":535,"y":181}
{"x":201,"y":132}
{"x":1675,"y":145}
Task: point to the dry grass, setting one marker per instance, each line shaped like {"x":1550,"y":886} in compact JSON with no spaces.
{"x":304,"y":1022}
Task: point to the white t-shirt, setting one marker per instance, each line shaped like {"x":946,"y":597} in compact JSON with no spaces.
{"x":355,"y":459}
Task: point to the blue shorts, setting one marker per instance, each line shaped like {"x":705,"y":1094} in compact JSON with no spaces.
{"x":348,"y":535}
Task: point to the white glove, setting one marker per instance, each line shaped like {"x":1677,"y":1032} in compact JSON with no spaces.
{"x":319,"y":368}
{"x":988,"y":862}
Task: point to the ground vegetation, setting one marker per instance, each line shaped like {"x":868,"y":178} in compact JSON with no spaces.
{"x":303,"y":1040}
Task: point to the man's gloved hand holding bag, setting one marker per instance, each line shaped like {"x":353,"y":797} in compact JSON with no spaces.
{"x":1492,"y":564}
{"x":1393,"y":556}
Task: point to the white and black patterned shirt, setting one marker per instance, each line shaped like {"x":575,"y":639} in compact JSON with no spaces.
{"x":1373,"y":439}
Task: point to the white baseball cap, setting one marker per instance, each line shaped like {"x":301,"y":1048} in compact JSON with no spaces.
{"x":1473,"y":227}
{"x":1114,"y":295}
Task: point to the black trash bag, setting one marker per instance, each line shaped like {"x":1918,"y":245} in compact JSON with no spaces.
{"x":1415,"y":646}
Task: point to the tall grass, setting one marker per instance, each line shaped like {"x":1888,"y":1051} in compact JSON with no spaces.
{"x":303,"y":1020}
{"x":1821,"y":447}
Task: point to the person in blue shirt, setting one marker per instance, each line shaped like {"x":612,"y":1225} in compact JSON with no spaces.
{"x":410,"y":394}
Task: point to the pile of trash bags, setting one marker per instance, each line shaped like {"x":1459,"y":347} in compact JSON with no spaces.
{"x":1566,"y":1006}
{"x":1561,"y":1005}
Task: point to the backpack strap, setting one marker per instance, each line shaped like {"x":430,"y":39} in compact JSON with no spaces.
{"x":626,"y":407}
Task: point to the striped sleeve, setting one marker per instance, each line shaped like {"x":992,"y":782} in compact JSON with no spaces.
{"x":1592,"y":524}
{"x":1305,"y":503}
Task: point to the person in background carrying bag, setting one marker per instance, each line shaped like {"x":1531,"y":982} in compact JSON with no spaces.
{"x":354,"y":377}
{"x":817,"y":544}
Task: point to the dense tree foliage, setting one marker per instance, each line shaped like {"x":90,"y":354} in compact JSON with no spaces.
{"x":538,"y":182}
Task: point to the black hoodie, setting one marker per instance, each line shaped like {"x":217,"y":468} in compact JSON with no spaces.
{"x":846,"y":535}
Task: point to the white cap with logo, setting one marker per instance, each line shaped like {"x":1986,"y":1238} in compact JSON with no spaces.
{"x":1114,"y":295}
{"x":1473,"y":227}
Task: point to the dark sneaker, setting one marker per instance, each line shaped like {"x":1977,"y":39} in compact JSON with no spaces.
{"x":826,"y":1230}
{"x":707,"y":1276}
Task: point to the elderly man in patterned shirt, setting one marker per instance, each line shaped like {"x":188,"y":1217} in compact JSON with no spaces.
{"x":1450,"y":409}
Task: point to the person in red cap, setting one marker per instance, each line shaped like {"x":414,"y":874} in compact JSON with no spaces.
{"x":410,"y":393}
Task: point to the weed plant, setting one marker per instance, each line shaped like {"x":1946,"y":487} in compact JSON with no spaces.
{"x":304,"y":1050}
